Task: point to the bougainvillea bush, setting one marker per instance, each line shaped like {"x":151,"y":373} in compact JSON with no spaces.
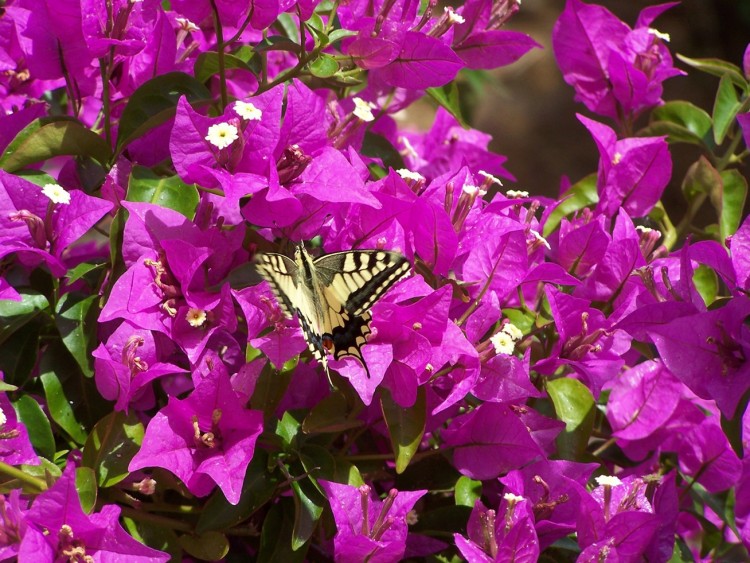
{"x":558,"y":378}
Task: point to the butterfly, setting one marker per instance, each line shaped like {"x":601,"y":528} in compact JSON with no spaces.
{"x":332,"y":295}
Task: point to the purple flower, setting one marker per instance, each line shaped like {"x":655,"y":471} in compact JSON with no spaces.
{"x":15,"y":446}
{"x":509,"y":537}
{"x":207,"y":439}
{"x":616,"y":71}
{"x":632,"y":173}
{"x":12,"y":524}
{"x":59,"y":529}
{"x":369,"y":529}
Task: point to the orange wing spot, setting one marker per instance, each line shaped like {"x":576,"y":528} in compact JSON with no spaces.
{"x":328,"y":343}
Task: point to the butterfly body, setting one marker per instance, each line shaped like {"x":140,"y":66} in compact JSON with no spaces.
{"x":332,"y":295}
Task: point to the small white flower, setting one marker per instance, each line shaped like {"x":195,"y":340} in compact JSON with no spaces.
{"x":186,"y":25}
{"x":540,"y":238}
{"x":407,"y":174}
{"x":363,"y":109}
{"x":490,"y":177}
{"x":247,"y":111}
{"x":3,"y":418}
{"x":511,"y":497}
{"x":659,"y":34}
{"x":221,"y":135}
{"x":644,"y":230}
{"x":453,"y":17}
{"x":195,"y":317}
{"x":470,"y":190}
{"x":513,"y":331}
{"x":617,"y":158}
{"x":56,"y":193}
{"x":503,"y":343}
{"x":516,"y":194}
{"x":608,"y":480}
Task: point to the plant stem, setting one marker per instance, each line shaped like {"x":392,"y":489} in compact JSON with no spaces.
{"x":22,"y":476}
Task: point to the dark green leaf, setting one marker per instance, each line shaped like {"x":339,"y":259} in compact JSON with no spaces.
{"x":36,"y":423}
{"x":682,"y":122}
{"x":47,"y":137}
{"x":575,"y":406}
{"x":207,"y":65}
{"x":733,"y":198}
{"x":448,"y":97}
{"x":154,"y":103}
{"x":347,"y":472}
{"x":58,"y":405}
{"x":111,"y":445}
{"x":725,"y":108}
{"x":276,"y":536}
{"x":269,"y":390}
{"x":308,"y":504}
{"x":18,"y":354}
{"x":324,"y":66}
{"x":257,"y":489}
{"x":288,"y":428}
{"x":405,"y":426}
{"x":277,"y":43}
{"x":76,"y":321}
{"x":209,"y":546}
{"x":468,"y":491}
{"x":377,"y":146}
{"x":719,"y":68}
{"x":581,"y":194}
{"x":318,"y":462}
{"x":86,"y":487}
{"x":170,"y":191}
{"x":15,"y":314}
{"x":157,"y":537}
{"x":332,"y":414}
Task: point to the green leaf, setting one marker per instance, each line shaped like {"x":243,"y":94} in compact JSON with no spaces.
{"x":324,"y":66}
{"x":18,"y":354}
{"x":316,"y":25}
{"x":37,"y":425}
{"x":575,"y":406}
{"x":405,"y":426}
{"x":308,"y":504}
{"x":47,"y":137}
{"x":318,"y":462}
{"x":258,"y":488}
{"x":76,"y":321}
{"x":277,"y":43}
{"x":707,"y":283}
{"x":56,"y":393}
{"x":377,"y":146}
{"x":682,"y":122}
{"x":276,"y":536}
{"x":207,"y":65}
{"x":468,"y":491}
{"x":448,"y":97}
{"x":288,"y":428}
{"x":157,"y":537}
{"x":331,"y":414}
{"x":269,"y":390}
{"x":79,"y":271}
{"x":733,"y":198}
{"x":209,"y":546}
{"x":111,"y":445}
{"x":725,"y":108}
{"x":338,"y":34}
{"x":154,"y":103}
{"x":717,"y":67}
{"x":581,"y":194}
{"x":15,"y":314}
{"x":700,"y":180}
{"x":170,"y":191}
{"x":86,"y":487}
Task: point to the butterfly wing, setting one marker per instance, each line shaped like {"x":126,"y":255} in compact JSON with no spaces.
{"x":294,"y":297}
{"x":351,"y":283}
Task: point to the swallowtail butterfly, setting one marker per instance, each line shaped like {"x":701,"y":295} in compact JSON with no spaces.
{"x":332,"y":295}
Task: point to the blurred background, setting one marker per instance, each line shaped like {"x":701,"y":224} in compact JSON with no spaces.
{"x":530,"y":111}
